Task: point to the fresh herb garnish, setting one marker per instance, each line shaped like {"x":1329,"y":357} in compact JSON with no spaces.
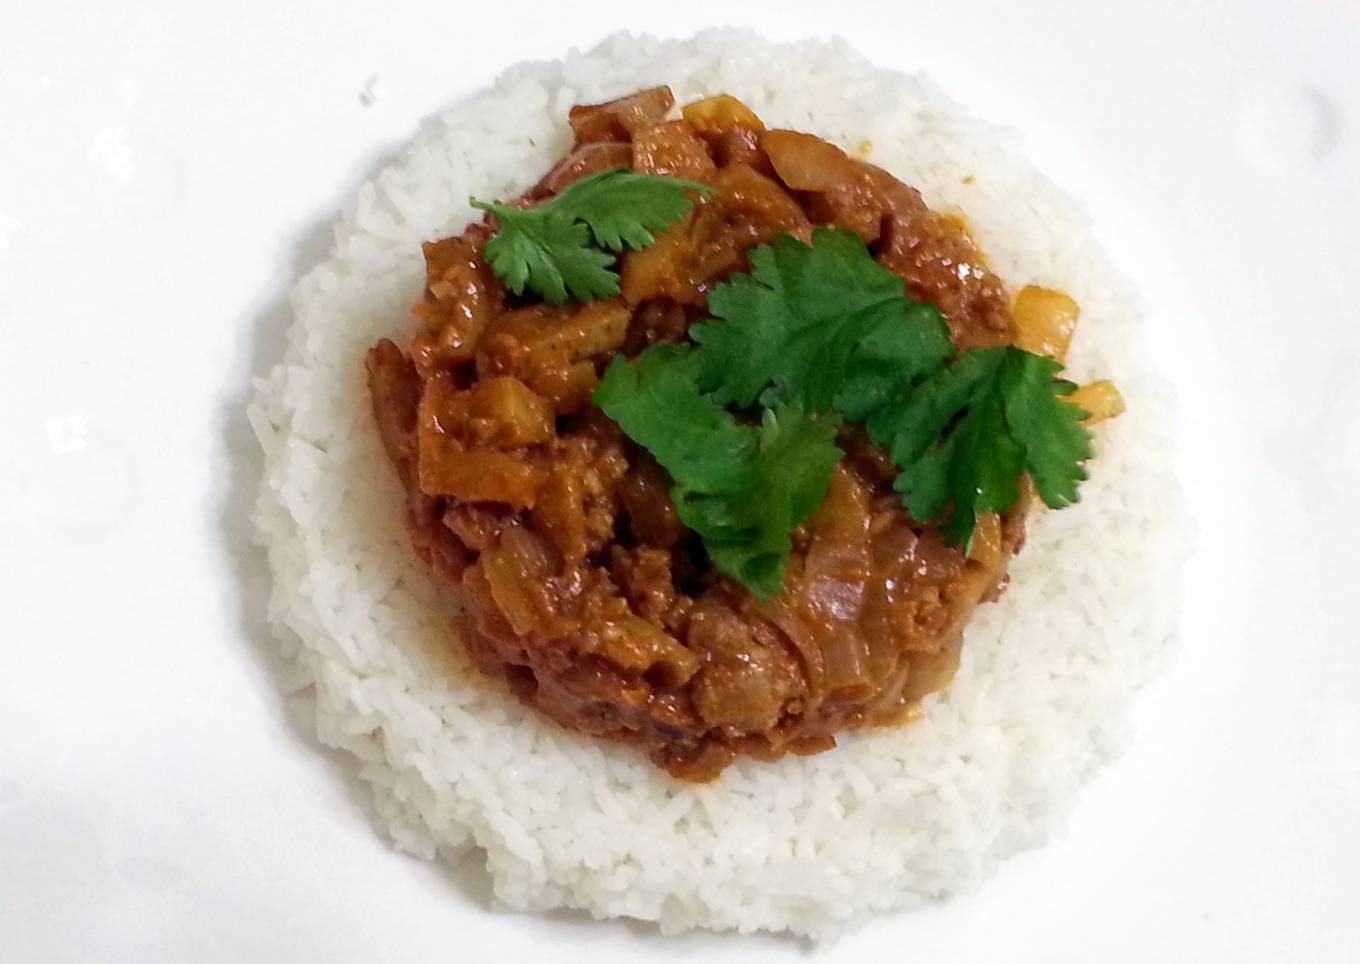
{"x":819,"y":332}
{"x":567,"y":244}
{"x":964,"y":436}
{"x":826,"y":323}
{"x":741,"y":488}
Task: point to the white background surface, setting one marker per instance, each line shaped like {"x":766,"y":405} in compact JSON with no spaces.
{"x":167,"y":168}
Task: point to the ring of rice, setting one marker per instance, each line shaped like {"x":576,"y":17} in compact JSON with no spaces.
{"x":806,"y":845}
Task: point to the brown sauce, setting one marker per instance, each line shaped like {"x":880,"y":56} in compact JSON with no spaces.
{"x":579,"y":585}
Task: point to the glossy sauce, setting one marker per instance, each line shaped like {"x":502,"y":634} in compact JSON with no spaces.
{"x":581,"y":587}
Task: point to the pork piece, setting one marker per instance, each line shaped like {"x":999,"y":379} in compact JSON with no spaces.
{"x":618,"y":120}
{"x":461,"y":297}
{"x":842,"y":192}
{"x":458,"y":459}
{"x":395,"y":388}
{"x":581,"y":587}
{"x":549,"y":347}
{"x":592,"y":158}
{"x":672,"y":150}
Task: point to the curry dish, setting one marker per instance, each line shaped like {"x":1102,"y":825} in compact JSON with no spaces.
{"x":578,"y":583}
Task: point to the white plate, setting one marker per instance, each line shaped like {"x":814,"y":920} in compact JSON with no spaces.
{"x":166,"y":169}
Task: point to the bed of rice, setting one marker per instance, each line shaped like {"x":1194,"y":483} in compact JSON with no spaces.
{"x":806,"y":845}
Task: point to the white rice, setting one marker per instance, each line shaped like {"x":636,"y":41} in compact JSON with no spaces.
{"x":806,"y":845}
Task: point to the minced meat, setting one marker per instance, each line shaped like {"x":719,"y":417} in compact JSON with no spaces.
{"x":579,"y":584}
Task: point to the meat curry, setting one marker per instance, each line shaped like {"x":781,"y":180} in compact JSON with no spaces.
{"x":579,"y":585}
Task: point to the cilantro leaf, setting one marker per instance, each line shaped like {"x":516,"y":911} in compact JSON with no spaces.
{"x":911,"y":346}
{"x":748,"y":532}
{"x":623,"y":208}
{"x":555,"y":247}
{"x":741,"y":488}
{"x":825,"y":323}
{"x":656,"y":401}
{"x":964,"y":436}
{"x":911,"y":422}
{"x":1050,"y":429}
{"x":821,"y":328}
{"x":550,"y":254}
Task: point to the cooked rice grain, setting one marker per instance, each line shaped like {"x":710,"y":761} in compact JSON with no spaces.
{"x":805,"y":844}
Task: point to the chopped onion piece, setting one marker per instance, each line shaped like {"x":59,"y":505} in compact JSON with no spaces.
{"x":1099,"y":400}
{"x":1044,"y":321}
{"x":724,"y":112}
